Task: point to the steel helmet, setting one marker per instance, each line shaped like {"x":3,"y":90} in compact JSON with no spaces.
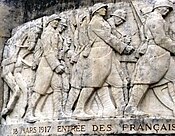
{"x":98,"y":6}
{"x":53,"y":17}
{"x":163,"y":3}
{"x":120,"y":13}
{"x":63,"y":22}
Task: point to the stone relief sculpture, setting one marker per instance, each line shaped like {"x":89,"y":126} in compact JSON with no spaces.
{"x":91,"y":63}
{"x":81,"y":42}
{"x":100,"y":55}
{"x":50,"y":81}
{"x":154,"y":67}
{"x":16,"y":67}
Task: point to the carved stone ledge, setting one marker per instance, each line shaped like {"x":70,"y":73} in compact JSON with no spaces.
{"x":93,"y":127}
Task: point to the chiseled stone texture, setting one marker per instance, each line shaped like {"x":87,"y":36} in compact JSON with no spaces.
{"x":4,"y":34}
{"x":16,"y":12}
{"x":137,"y":126}
{"x":86,"y":71}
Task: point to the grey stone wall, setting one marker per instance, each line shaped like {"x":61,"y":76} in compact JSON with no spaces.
{"x":4,"y":34}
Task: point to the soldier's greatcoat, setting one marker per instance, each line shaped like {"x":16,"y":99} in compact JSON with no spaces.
{"x":100,"y":66}
{"x":49,"y":61}
{"x":154,"y":64}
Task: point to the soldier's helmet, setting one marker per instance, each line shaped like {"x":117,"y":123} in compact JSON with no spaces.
{"x":98,"y":6}
{"x":120,"y":13}
{"x":53,"y":17}
{"x":63,"y":22}
{"x":163,"y":3}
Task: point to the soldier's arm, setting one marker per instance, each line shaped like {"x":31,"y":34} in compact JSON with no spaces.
{"x":168,"y":44}
{"x":52,"y":60}
{"x":49,"y":52}
{"x":111,"y":40}
{"x":159,"y":34}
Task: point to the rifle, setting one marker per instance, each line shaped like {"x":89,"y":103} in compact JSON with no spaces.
{"x":140,"y":26}
{"x":136,"y":17}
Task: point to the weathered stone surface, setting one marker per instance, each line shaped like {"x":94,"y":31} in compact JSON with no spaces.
{"x":4,"y":34}
{"x":107,"y":68}
{"x":149,"y":126}
{"x":16,"y":12}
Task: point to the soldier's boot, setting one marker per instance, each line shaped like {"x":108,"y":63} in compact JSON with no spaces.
{"x":58,"y":104}
{"x":12,"y":102}
{"x":30,"y":117}
{"x":79,"y":112}
{"x":137,"y":94}
{"x":89,"y":104}
{"x":25,"y":92}
{"x":65,"y":96}
{"x":72,"y":97}
{"x":119,"y":102}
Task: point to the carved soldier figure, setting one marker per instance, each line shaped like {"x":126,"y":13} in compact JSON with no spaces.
{"x":117,"y":17}
{"x":24,"y":63}
{"x":119,"y":83}
{"x":154,"y":66}
{"x":48,"y":77}
{"x":98,"y":70}
{"x":81,"y":42}
{"x":64,"y":56}
{"x":66,"y":76}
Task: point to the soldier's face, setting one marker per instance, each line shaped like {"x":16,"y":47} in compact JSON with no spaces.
{"x":54,"y":23}
{"x":163,"y":10}
{"x":102,"y":11}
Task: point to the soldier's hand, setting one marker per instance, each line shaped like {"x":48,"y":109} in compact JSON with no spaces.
{"x":31,"y":46}
{"x":85,"y":54}
{"x":128,"y":50}
{"x":59,"y":69}
{"x":126,"y":39}
{"x":74,"y":58}
{"x":34,"y":66}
